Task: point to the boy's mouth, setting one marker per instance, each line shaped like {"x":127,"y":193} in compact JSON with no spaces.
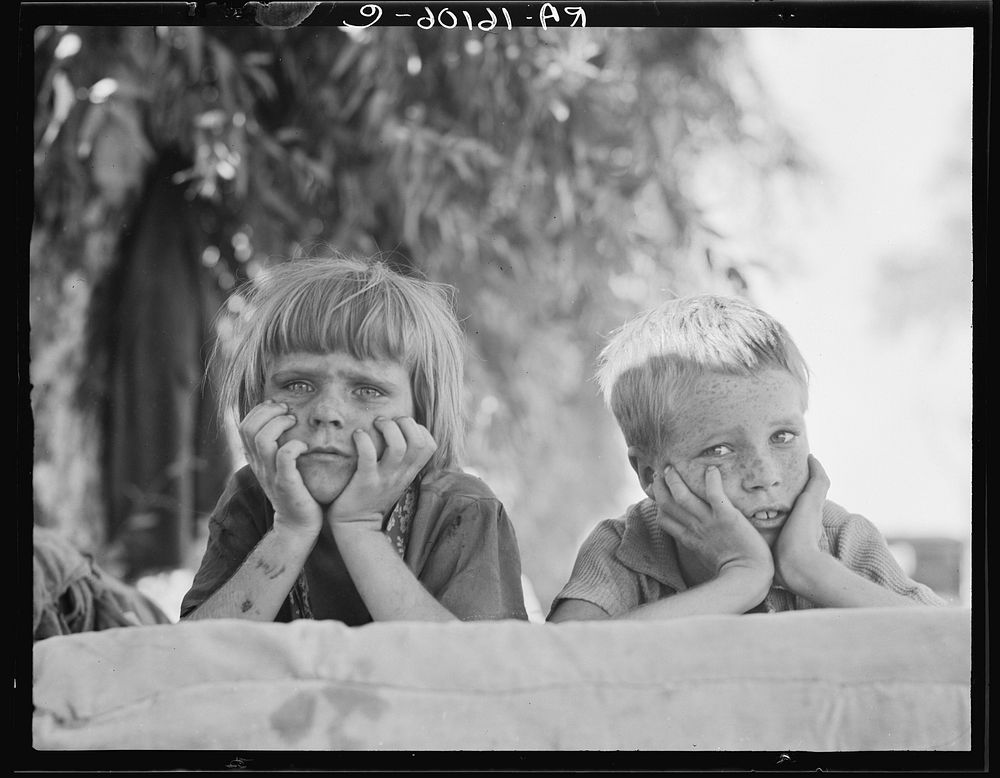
{"x":767,"y":518}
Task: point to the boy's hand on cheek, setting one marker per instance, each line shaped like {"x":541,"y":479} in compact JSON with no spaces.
{"x":715,"y":530}
{"x":799,"y":538}
{"x":275,"y":466}
{"x":378,"y":482}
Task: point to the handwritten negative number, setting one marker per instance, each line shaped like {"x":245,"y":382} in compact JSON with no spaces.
{"x":449,"y":20}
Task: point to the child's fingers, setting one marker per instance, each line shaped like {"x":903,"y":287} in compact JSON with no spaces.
{"x":272,"y":430}
{"x":818,"y":476}
{"x":284,"y":487}
{"x":661,"y":494}
{"x":265,"y":422}
{"x":259,"y":415}
{"x":683,"y":524}
{"x":285,"y":459}
{"x":681,"y":495}
{"x":264,"y":444}
{"x":804,"y":527}
{"x":380,"y":479}
{"x":259,"y":433}
{"x":294,"y":506}
{"x":395,"y":442}
{"x":813,"y":496}
{"x":818,"y":484}
{"x":367,"y":455}
{"x":681,"y":520}
{"x":674,"y":518}
{"x":416,"y":434}
{"x":714,"y":490}
{"x":420,"y":444}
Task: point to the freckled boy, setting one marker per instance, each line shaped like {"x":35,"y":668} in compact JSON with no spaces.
{"x":710,"y":393}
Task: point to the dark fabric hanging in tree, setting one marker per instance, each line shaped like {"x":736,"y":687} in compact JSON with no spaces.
{"x":167,"y":459}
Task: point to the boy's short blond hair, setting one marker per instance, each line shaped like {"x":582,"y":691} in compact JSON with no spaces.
{"x":362,"y":307}
{"x":651,"y":360}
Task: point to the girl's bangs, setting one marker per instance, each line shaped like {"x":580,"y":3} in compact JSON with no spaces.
{"x":363,"y":325}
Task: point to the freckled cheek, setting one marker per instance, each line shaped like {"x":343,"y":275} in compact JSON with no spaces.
{"x":730,"y":478}
{"x":793,"y":468}
{"x":694,"y":478}
{"x":798,"y":471}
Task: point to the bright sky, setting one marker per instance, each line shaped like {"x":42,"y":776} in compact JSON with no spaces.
{"x":882,"y":110}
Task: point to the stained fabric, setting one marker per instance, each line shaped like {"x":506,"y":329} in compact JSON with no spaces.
{"x":167,"y":462}
{"x":820,"y":680}
{"x":72,"y":594}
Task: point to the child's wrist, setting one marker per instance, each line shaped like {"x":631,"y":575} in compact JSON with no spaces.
{"x":295,"y":536}
{"x":758,"y":562}
{"x":798,"y":572}
{"x":362,"y":538}
{"x":751,"y":580}
{"x":367,"y":521}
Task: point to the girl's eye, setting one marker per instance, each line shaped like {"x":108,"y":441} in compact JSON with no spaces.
{"x":784,"y":436}
{"x":298,"y":387}
{"x":717,"y":451}
{"x":369,"y":392}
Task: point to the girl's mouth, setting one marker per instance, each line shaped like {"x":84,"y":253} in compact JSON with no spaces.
{"x":325,"y":455}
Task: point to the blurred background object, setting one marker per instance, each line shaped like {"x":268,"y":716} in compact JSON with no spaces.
{"x":561,"y":180}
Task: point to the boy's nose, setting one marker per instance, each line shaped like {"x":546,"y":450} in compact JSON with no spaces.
{"x":760,"y":472}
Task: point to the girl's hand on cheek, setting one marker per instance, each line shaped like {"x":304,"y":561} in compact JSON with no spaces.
{"x":259,"y":433}
{"x":379,"y":481}
{"x":275,"y":466}
{"x":714,"y":529}
{"x":801,"y":534}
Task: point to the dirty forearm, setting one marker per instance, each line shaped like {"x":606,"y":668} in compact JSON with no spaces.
{"x":258,"y":588}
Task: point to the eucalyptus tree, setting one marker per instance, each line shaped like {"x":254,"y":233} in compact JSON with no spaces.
{"x":557,"y":178}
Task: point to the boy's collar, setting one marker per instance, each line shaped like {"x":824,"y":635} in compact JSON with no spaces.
{"x":648,"y":549}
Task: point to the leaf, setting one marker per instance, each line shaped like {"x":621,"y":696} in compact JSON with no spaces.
{"x":263,"y":80}
{"x":281,"y":15}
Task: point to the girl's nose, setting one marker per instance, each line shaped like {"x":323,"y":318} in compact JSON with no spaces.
{"x":327,"y":409}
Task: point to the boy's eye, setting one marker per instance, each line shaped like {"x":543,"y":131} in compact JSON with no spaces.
{"x":717,"y":451}
{"x":369,"y":392}
{"x":298,"y":387}
{"x":785,"y":436}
